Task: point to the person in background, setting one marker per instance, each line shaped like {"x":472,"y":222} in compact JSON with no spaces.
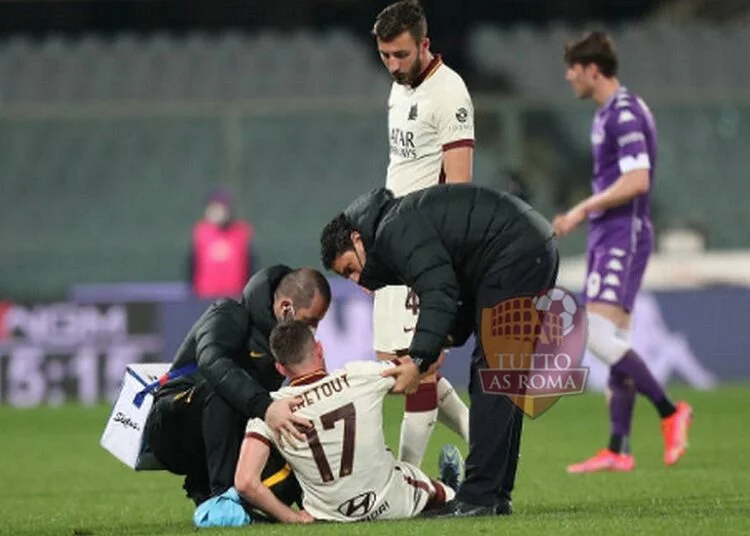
{"x":431,"y":136}
{"x":197,"y":422}
{"x":620,"y":242}
{"x":222,"y":257}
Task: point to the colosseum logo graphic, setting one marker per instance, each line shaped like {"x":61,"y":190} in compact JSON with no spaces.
{"x":534,"y":346}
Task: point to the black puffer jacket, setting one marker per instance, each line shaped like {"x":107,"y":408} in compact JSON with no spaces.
{"x":441,"y":242}
{"x":230,"y":344}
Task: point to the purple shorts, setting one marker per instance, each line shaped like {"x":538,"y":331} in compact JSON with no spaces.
{"x":617,"y":257}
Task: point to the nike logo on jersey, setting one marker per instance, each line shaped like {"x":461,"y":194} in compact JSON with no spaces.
{"x":408,"y":330}
{"x":256,"y":355}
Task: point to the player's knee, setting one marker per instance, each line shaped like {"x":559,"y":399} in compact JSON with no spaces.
{"x":605,"y":341}
{"x":620,"y":382}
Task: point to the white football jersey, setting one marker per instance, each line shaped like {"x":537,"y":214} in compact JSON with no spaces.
{"x":346,"y":471}
{"x":434,"y":115}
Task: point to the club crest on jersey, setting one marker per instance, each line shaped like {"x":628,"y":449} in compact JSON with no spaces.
{"x":462,"y":114}
{"x":412,"y":113}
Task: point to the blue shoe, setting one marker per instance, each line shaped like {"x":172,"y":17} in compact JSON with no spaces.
{"x":225,"y":510}
{"x":451,"y":465}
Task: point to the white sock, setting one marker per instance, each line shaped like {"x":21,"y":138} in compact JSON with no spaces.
{"x":416,"y":429}
{"x":453,"y":413}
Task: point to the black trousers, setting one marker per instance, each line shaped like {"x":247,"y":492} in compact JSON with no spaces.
{"x":495,"y":422}
{"x":195,"y":433}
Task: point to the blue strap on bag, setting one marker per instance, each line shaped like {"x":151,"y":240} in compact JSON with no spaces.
{"x":153,"y":386}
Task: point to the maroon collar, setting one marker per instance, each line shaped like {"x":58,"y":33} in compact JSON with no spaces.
{"x":306,"y":379}
{"x":437,"y":59}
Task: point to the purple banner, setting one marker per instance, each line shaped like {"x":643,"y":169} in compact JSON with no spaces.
{"x":691,"y":336}
{"x":52,"y":353}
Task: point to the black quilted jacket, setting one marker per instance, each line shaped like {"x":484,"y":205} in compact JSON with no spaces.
{"x":230,"y":344}
{"x":441,"y":242}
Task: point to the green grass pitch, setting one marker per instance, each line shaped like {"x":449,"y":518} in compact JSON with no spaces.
{"x":57,"y":480}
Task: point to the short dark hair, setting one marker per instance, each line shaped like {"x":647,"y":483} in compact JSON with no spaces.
{"x":336,"y":239}
{"x":593,"y":47}
{"x":291,"y":342}
{"x":404,"y":16}
{"x":301,"y":285}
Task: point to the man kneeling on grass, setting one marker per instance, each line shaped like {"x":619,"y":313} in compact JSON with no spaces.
{"x":345,"y":468}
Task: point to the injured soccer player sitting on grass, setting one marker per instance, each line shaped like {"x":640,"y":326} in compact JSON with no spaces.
{"x":345,"y":469}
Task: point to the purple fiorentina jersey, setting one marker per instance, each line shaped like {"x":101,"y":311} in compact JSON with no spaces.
{"x":623,"y":138}
{"x":620,"y":239}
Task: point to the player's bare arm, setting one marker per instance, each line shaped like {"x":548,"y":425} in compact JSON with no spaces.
{"x":623,"y":190}
{"x":254,"y":455}
{"x":458,"y":164}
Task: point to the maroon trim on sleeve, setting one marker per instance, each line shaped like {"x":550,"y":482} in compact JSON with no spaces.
{"x":458,"y":143}
{"x":259,"y":437}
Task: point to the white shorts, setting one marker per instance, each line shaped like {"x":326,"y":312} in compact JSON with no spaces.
{"x":395,"y":316}
{"x":408,"y":493}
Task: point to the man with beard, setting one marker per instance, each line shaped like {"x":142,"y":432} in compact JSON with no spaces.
{"x":431,"y":130}
{"x":197,"y":423}
{"x":463,"y":249}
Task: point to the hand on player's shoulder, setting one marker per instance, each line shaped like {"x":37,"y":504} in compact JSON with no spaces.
{"x":406,"y":374}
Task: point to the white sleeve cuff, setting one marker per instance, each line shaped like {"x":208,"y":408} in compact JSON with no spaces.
{"x":631,"y":163}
